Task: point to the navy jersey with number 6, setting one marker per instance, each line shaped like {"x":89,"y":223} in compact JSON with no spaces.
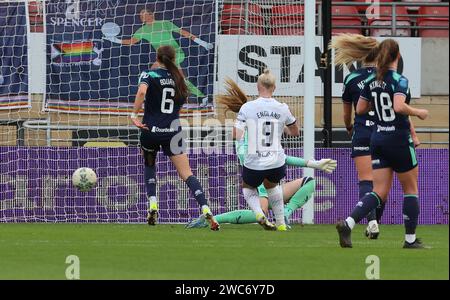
{"x":391,"y":127}
{"x":161,"y":109}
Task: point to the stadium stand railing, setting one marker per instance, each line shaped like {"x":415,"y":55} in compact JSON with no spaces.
{"x":400,"y":18}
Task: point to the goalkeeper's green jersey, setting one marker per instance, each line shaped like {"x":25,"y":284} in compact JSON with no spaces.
{"x":160,"y":33}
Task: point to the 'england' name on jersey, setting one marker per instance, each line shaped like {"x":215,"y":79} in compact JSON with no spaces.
{"x":264,"y":120}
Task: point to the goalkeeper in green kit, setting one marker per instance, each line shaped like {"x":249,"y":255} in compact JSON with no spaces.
{"x":160,"y":33}
{"x":295,"y":193}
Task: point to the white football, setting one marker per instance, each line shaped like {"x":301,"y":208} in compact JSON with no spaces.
{"x":84,"y":179}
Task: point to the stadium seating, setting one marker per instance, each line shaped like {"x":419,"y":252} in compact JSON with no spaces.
{"x":287,"y":20}
{"x":234,"y":17}
{"x":242,"y":31}
{"x":386,"y":19}
{"x":363,"y":8}
{"x":36,"y":16}
{"x":438,"y":17}
{"x":341,"y":16}
{"x":414,"y":9}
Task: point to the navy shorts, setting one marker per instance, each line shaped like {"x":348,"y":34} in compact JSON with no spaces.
{"x":401,"y":158}
{"x":255,"y":178}
{"x":171,"y":145}
{"x":361,"y":140}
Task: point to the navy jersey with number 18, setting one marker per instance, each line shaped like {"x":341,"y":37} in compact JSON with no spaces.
{"x":391,"y":127}
{"x":161,"y":108}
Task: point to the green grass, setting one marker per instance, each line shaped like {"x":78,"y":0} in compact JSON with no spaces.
{"x":111,"y":251}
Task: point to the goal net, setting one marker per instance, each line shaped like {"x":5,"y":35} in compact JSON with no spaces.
{"x":86,"y":61}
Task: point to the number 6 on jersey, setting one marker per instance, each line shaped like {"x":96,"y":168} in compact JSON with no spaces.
{"x":167,"y":100}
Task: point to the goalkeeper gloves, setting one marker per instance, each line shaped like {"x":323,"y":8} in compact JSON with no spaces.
{"x":206,"y":45}
{"x":327,"y":165}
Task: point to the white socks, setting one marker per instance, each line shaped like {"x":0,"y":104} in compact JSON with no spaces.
{"x":410,"y":238}
{"x":276,"y":201}
{"x":350,"y":222}
{"x":252,"y":198}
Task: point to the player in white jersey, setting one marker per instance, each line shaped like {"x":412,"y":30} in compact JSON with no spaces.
{"x":265,"y":119}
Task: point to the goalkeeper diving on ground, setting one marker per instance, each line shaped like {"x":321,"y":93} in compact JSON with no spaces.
{"x":295,"y":193}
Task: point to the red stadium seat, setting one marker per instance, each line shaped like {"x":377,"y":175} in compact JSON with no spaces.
{"x":363,"y":8}
{"x":36,"y":16}
{"x":345,"y":16}
{"x":288,"y":31}
{"x":386,"y":19}
{"x":242,"y":31}
{"x":416,"y":8}
{"x":240,"y":22}
{"x":437,"y":13}
{"x":438,"y":17}
{"x":288,"y":10}
{"x":233,"y":19}
{"x":232,"y":10}
{"x":287,"y":20}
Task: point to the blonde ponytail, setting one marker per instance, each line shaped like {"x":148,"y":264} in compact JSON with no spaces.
{"x":353,"y":47}
{"x":234,"y":98}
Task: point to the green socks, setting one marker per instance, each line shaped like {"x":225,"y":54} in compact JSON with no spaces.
{"x":300,"y":197}
{"x":295,"y":161}
{"x":237,"y":217}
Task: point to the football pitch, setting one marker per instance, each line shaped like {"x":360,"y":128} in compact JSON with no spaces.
{"x":133,"y":251}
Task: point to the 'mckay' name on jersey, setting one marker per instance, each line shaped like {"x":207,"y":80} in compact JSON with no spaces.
{"x":264,"y":120}
{"x":161,"y":109}
{"x":381,"y":94}
{"x":353,"y":85}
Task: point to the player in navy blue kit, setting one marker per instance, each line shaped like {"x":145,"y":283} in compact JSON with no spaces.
{"x":164,"y":91}
{"x":392,"y":147}
{"x":350,"y":48}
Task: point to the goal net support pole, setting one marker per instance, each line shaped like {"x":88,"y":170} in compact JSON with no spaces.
{"x":309,"y":98}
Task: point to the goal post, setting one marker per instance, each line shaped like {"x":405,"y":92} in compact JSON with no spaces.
{"x":79,"y":117}
{"x":309,"y":98}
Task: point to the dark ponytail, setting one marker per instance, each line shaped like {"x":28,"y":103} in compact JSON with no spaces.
{"x":166,"y":56}
{"x":387,"y":53}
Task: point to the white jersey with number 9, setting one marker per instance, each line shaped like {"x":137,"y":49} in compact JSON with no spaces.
{"x":264,"y":120}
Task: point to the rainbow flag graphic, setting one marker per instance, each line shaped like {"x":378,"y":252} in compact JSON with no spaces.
{"x":74,"y":52}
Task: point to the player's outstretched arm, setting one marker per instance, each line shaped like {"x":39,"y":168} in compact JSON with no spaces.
{"x":295,"y":161}
{"x":327,"y":165}
{"x":187,"y":34}
{"x":130,"y":41}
